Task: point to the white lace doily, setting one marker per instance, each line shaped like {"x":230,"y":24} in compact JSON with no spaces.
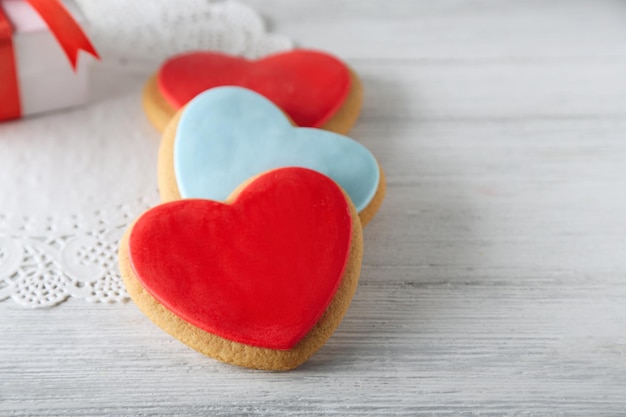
{"x":73,"y":181}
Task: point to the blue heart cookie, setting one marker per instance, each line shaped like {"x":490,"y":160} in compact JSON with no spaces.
{"x":227,"y":135}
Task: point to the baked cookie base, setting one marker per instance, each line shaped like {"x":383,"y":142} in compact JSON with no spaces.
{"x":160,"y":112}
{"x":241,"y":354}
{"x":157,"y":109}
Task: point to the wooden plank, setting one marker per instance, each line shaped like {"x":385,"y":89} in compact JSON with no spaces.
{"x":454,"y":30}
{"x":493,"y":280}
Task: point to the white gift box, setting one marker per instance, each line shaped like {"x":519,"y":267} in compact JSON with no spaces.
{"x":45,"y":78}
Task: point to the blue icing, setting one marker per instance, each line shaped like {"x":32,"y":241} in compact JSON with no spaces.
{"x":228,"y":134}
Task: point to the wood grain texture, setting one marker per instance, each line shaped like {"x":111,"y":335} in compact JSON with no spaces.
{"x":494,"y":280}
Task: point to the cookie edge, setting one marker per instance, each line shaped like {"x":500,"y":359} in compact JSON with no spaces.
{"x":348,"y":113}
{"x":241,"y":354}
{"x":158,"y":111}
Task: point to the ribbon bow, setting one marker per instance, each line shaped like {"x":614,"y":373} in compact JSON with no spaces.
{"x":65,"y":29}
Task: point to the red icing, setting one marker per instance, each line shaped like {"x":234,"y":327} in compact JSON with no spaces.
{"x":259,"y":271}
{"x":309,"y":86}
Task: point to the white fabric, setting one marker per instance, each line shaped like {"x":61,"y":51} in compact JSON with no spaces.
{"x":156,"y":29}
{"x":73,"y":181}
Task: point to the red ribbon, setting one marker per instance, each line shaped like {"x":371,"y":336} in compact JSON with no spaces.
{"x":63,"y":26}
{"x":68,"y":33}
{"x":10,"y":107}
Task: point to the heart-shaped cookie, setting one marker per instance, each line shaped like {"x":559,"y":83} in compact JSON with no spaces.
{"x":313,"y":88}
{"x":228,"y":134}
{"x":260,"y":281}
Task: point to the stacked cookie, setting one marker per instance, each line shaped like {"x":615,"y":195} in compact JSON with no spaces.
{"x":255,"y":253}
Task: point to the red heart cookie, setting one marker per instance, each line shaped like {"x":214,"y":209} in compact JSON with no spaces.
{"x":313,"y":88}
{"x":260,"y":271}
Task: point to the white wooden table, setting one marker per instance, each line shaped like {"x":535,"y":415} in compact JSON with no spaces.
{"x":494,"y":279}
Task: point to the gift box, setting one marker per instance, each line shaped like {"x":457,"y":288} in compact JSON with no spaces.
{"x":39,"y":66}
